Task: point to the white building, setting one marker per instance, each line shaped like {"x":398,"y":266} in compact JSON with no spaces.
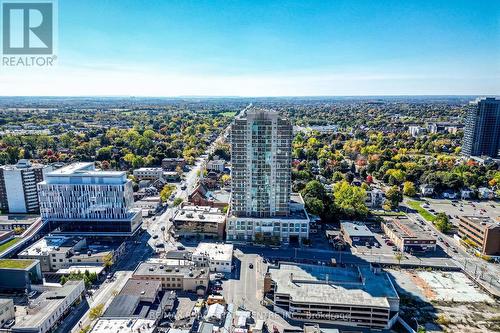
{"x":426,"y":190}
{"x":48,"y":307}
{"x":80,"y":199}
{"x":148,"y":173}
{"x":18,"y":191}
{"x":374,"y":198}
{"x":199,"y":221}
{"x":57,"y":252}
{"x":217,"y":256}
{"x":416,"y":130}
{"x":117,"y":325}
{"x":216,"y":165}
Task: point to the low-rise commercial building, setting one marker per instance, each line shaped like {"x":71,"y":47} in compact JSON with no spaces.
{"x":148,"y":173}
{"x":292,"y":228}
{"x":185,"y":278}
{"x":361,"y":296}
{"x":57,"y":252}
{"x":408,"y":236}
{"x":216,"y":165}
{"x":483,"y":232}
{"x":112,"y":325}
{"x":170,"y":164}
{"x":148,"y":205}
{"x":355,"y":233}
{"x":141,"y":298}
{"x":18,"y":275}
{"x":48,"y":308}
{"x":199,"y":221}
{"x":217,"y":257}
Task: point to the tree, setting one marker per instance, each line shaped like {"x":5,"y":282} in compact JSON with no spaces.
{"x":399,"y":256}
{"x":442,"y":222}
{"x":350,"y":199}
{"x":166,"y":191}
{"x":314,"y":206}
{"x":108,"y":260}
{"x":225,"y":179}
{"x":96,"y":311}
{"x":394,"y":197}
{"x":409,"y":189}
{"x":177,"y":201}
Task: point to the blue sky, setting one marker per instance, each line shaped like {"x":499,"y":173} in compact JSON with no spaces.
{"x":260,"y":48}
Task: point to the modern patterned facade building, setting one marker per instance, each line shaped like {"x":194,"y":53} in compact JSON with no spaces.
{"x":482,"y":129}
{"x":261,"y":155}
{"x":80,"y":199}
{"x":18,"y":191}
{"x":262,"y":206}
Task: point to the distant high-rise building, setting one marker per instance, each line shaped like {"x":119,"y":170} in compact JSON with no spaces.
{"x":261,"y":164}
{"x":262,"y":206}
{"x":482,"y":129}
{"x":18,"y":192}
{"x":80,"y":199}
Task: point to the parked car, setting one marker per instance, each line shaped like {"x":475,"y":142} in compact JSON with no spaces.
{"x":9,"y":323}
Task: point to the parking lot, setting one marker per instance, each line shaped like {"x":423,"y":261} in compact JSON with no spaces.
{"x":463,"y":207}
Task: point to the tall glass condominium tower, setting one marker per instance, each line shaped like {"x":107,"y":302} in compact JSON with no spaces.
{"x":482,"y":129}
{"x":261,"y":144}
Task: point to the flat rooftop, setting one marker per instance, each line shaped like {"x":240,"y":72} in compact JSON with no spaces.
{"x":105,"y":325}
{"x":18,"y":219}
{"x":482,"y":222}
{"x":84,"y":169}
{"x":356,"y":229}
{"x":215,"y":251}
{"x":143,"y":288}
{"x":159,"y":269}
{"x":80,"y":269}
{"x":17,"y":263}
{"x":407,"y":229}
{"x":44,"y":305}
{"x":199,"y":214}
{"x":333,"y":285}
{"x":51,"y":244}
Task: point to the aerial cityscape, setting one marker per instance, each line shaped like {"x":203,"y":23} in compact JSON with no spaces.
{"x":243,"y":184}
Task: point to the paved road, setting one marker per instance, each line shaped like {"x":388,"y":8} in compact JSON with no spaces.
{"x":246,"y":287}
{"x":324,"y":256}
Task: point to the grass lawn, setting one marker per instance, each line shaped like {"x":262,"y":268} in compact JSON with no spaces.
{"x":228,"y":114}
{"x":384,"y":213}
{"x":15,"y":263}
{"x":8,"y":244}
{"x":417,"y":205}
